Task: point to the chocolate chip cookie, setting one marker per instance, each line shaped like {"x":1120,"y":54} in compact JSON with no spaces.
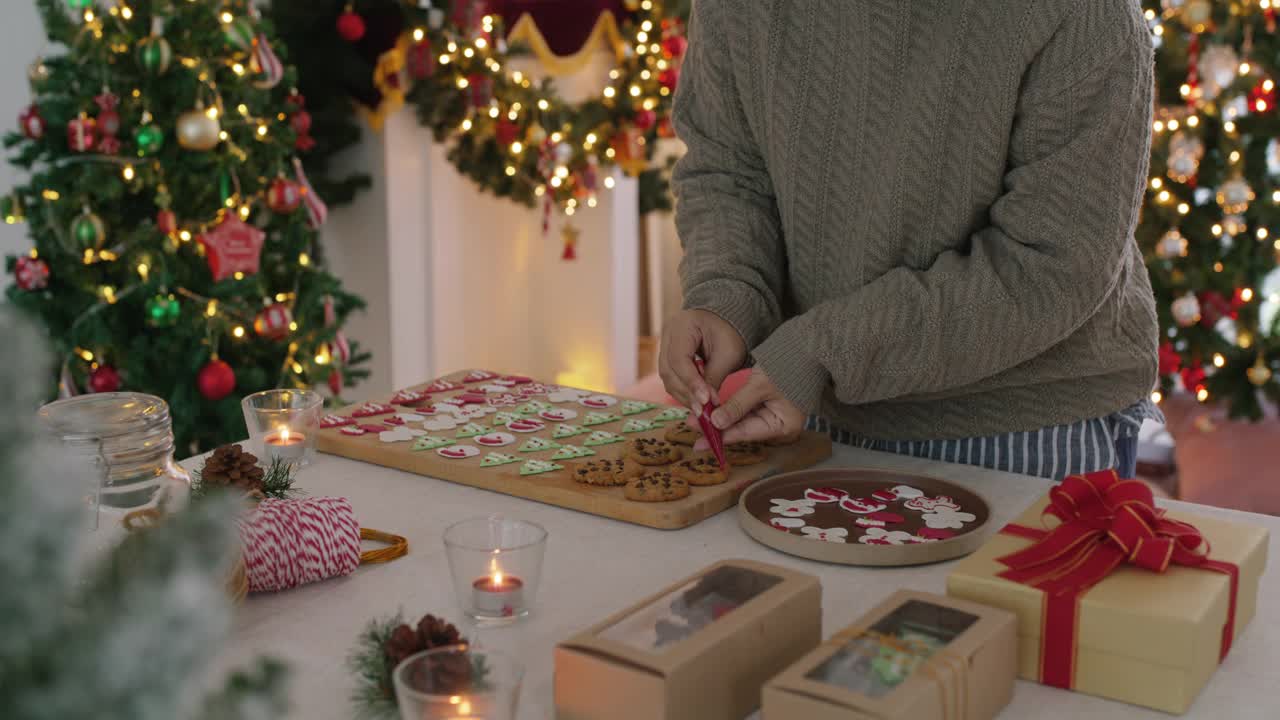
{"x":745,"y":453}
{"x":680,"y":433}
{"x":604,"y":472}
{"x":656,"y":486}
{"x":650,"y":451}
{"x":700,"y":470}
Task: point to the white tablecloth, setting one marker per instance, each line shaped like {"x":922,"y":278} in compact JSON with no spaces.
{"x":595,"y":566}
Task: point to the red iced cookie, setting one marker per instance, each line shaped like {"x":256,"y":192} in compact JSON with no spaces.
{"x":885,"y":496}
{"x":374,"y":428}
{"x":478,"y":376}
{"x":860,"y":506}
{"x":471,"y":398}
{"x":408,"y":397}
{"x":505,"y":400}
{"x":353,"y":430}
{"x":458,"y":452}
{"x":371,"y":409}
{"x":526,"y":425}
{"x":825,"y":494}
{"x":333,"y":421}
{"x":513,"y":380}
{"x":440,"y":386}
{"x":393,"y":420}
{"x":879,"y":519}
{"x":495,"y":439}
{"x":533,"y":389}
{"x":935,"y":533}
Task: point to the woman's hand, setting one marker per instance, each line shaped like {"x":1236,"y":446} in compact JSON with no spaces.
{"x":698,"y":332}
{"x":757,"y":412}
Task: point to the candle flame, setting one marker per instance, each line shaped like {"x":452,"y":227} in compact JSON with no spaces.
{"x":464,"y":708}
{"x":284,"y":435}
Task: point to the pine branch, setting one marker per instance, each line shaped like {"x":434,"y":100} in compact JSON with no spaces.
{"x":374,"y":696}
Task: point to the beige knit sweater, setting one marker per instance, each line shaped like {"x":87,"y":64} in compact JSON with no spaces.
{"x":919,"y":214}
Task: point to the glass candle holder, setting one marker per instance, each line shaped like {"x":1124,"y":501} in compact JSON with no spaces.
{"x":458,"y":682}
{"x":496,"y":564}
{"x":283,"y":424}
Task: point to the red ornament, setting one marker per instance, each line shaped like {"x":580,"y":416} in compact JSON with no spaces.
{"x":304,"y":143}
{"x":82,"y":133}
{"x":668,"y":78}
{"x":300,"y":121}
{"x":1170,"y":360}
{"x":421,"y":60}
{"x":665,"y":128}
{"x":645,"y":119}
{"x":273,"y":322}
{"x":1193,"y":377}
{"x":673,"y":47}
{"x":104,"y":378}
{"x":216,"y":380}
{"x":1262,"y":98}
{"x":296,"y":99}
{"x":1214,"y":307}
{"x":351,"y":26}
{"x":506,"y":132}
{"x":284,"y":196}
{"x":108,"y":122}
{"x":31,"y":273}
{"x":32,"y":123}
{"x":481,"y":90}
{"x":335,"y":381}
{"x":232,"y":247}
{"x":166,"y":221}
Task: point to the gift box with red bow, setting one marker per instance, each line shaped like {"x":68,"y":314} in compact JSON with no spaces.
{"x":1116,"y":597}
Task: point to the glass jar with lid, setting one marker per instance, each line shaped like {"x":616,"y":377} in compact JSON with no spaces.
{"x":124,"y":443}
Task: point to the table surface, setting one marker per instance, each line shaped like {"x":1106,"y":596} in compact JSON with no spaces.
{"x":596,"y":566}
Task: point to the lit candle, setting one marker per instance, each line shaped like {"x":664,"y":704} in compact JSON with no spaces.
{"x":498,"y":594}
{"x":286,"y":445}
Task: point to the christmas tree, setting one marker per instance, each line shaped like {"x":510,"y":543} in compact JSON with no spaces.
{"x":174,"y":228}
{"x":131,"y":636}
{"x":1211,"y":225}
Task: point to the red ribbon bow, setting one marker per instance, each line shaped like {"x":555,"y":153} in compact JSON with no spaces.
{"x":1104,"y":523}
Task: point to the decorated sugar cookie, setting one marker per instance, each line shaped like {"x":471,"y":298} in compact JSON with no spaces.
{"x":945,"y":517}
{"x":533,"y":389}
{"x":572,"y":452}
{"x":557,"y":414}
{"x":598,"y":402}
{"x":495,"y":439}
{"x":400,"y":434}
{"x":408,"y":397}
{"x":563,"y":431}
{"x":494,"y":459}
{"x":566,"y":395}
{"x":471,"y":430}
{"x":880,"y":536}
{"x":633,"y":425}
{"x":928,"y":504}
{"x":353,"y":430}
{"x":595,"y":418}
{"x":431,"y":442}
{"x":504,"y":400}
{"x":635,"y":407}
{"x":671,"y":414}
{"x":471,"y":398}
{"x":393,"y":420}
{"x":835,"y":535}
{"x":440,"y":386}
{"x":473,"y":412}
{"x":861,"y":506}
{"x":334,"y":421}
{"x":825,"y":494}
{"x":879,"y":519}
{"x":410,"y":417}
{"x":786,"y":523}
{"x":538,"y":467}
{"x":440,"y":423}
{"x":374,"y":427}
{"x":906,"y":492}
{"x":504,"y":417}
{"x":533,"y":407}
{"x":513,"y":380}
{"x":537,"y":444}
{"x":600,"y":437}
{"x":476,"y":376}
{"x":371,"y":409}
{"x":929,"y":533}
{"x":791,"y":508}
{"x":458,"y":452}
{"x":526,"y":425}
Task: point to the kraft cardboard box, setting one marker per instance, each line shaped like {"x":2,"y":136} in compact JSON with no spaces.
{"x":1142,"y":637}
{"x":699,"y":650}
{"x":915,"y":656}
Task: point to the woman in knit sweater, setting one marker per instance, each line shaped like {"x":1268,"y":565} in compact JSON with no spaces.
{"x":915,"y":221}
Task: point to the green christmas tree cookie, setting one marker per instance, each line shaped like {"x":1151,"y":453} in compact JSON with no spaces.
{"x":533,"y":407}
{"x":502,"y":418}
{"x":471,"y":430}
{"x":572,"y":452}
{"x":537,"y":444}
{"x":537,"y":467}
{"x":563,"y":431}
{"x":635,"y":407}
{"x":600,"y":437}
{"x":597,"y":418}
{"x":430,"y":442}
{"x":671,"y":414}
{"x":494,"y":459}
{"x":634,"y":426}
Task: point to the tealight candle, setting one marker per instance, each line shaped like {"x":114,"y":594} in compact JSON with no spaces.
{"x":498,"y":594}
{"x":496,"y":563}
{"x":286,"y":445}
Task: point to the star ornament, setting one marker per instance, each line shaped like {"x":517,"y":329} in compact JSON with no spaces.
{"x":233,"y":247}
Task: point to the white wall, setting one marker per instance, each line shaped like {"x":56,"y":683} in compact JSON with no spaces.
{"x":21,"y":39}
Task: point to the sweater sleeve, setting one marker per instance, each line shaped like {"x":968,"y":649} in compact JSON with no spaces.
{"x":734,"y":263}
{"x":1055,"y":247}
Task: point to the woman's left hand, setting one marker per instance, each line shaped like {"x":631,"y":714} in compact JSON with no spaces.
{"x":758,"y":411}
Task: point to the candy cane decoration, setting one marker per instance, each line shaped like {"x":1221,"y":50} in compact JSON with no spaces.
{"x":317,"y":211}
{"x":268,"y":64}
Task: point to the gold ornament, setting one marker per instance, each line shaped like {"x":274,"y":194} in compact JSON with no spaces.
{"x":1234,"y":195}
{"x":1244,"y":338}
{"x":1259,"y":374}
{"x":1172,"y":244}
{"x":198,"y":129}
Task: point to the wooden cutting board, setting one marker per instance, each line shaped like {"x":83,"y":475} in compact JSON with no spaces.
{"x":556,"y":487}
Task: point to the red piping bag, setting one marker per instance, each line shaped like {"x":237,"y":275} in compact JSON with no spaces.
{"x":709,"y":430}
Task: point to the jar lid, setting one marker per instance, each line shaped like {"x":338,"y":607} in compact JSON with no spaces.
{"x":98,"y":416}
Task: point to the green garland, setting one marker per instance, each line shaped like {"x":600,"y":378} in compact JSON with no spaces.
{"x":513,"y":137}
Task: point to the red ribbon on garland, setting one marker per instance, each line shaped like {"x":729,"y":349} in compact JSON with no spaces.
{"x":1105,"y":522}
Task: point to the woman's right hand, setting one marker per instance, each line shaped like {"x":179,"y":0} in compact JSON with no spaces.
{"x":698,"y":332}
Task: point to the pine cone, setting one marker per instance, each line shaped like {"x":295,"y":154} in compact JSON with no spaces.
{"x":231,"y":466}
{"x":434,"y":632}
{"x":402,"y":643}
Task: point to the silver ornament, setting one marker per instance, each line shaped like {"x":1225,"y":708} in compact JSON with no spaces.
{"x":1234,"y":195}
{"x":1273,"y":157}
{"x":1186,"y":310}
{"x":563,"y":153}
{"x":1172,"y":244}
{"x":1197,"y":14}
{"x":1219,"y":65}
{"x":1185,"y":151}
{"x":1235,"y":108}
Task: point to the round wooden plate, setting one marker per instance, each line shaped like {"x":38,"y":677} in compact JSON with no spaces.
{"x":905,"y":539}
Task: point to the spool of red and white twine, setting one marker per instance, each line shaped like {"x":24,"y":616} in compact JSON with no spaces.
{"x":288,"y":543}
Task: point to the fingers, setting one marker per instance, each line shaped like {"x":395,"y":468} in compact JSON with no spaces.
{"x":721,"y":362}
{"x":760,"y":425}
{"x":676,"y":344}
{"x":744,"y":402}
